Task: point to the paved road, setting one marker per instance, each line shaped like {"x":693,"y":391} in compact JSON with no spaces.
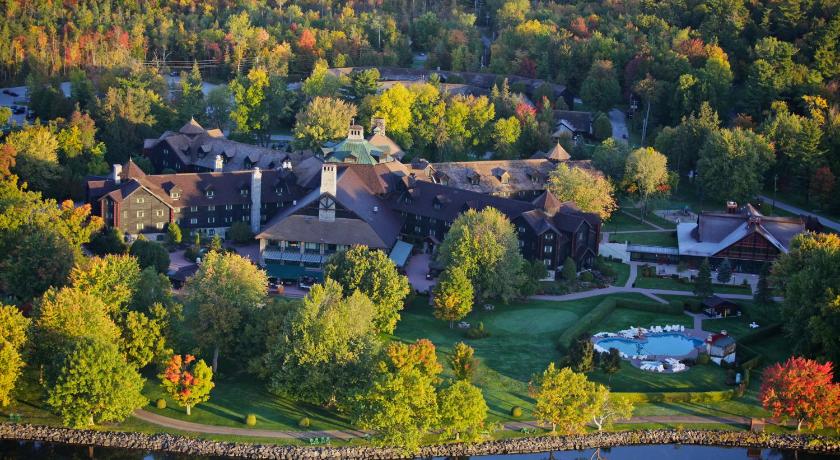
{"x":793,"y":209}
{"x":619,"y":125}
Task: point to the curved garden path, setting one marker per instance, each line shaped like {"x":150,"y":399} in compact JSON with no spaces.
{"x":351,"y":434}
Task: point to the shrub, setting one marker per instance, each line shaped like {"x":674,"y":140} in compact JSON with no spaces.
{"x":693,"y":305}
{"x":108,"y":241}
{"x":703,"y":358}
{"x":477,"y":332}
{"x":586,"y":322}
{"x":752,"y":337}
{"x":679,"y":397}
{"x":160,"y":403}
{"x":251,"y":419}
{"x":240,"y":233}
{"x":304,"y":422}
{"x":587,"y":277}
{"x":150,"y":254}
{"x":516,"y":412}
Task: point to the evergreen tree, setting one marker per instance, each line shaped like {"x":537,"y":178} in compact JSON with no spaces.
{"x":173,"y":233}
{"x":611,"y":363}
{"x":763,"y":293}
{"x":191,"y":102}
{"x":569,"y":270}
{"x":703,"y":282}
{"x":724,"y":274}
{"x":581,"y":354}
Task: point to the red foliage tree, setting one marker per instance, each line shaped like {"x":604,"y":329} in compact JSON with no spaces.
{"x":187,"y":381}
{"x":579,"y":27}
{"x":803,"y":390}
{"x":525,"y":111}
{"x":307,"y":41}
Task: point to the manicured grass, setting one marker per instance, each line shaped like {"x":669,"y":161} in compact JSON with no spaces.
{"x":233,"y":398}
{"x":676,"y":285}
{"x":622,"y":272}
{"x":523,"y":342}
{"x":651,"y":217}
{"x":666,"y":239}
{"x":620,"y":222}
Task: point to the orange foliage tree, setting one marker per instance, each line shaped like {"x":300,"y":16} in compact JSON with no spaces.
{"x":187,"y":381}
{"x":803,"y":390}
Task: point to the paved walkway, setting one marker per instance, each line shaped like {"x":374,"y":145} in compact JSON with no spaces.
{"x":793,"y":209}
{"x":619,"y":126}
{"x":348,"y":434}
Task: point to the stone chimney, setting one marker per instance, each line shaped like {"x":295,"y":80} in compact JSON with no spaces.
{"x":115,"y":174}
{"x":218,"y":164}
{"x":256,"y":200}
{"x":326,"y":208}
{"x":378,"y":126}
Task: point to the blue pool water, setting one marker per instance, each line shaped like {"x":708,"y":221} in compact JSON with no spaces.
{"x":664,"y":344}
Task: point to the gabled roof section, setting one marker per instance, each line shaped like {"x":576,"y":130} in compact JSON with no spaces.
{"x":191,"y":128}
{"x":548,"y":203}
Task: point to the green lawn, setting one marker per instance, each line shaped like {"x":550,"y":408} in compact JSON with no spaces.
{"x":651,"y":217}
{"x":523,"y":342}
{"x":233,"y":398}
{"x":666,"y":239}
{"x":620,"y":222}
{"x":622,"y":272}
{"x":676,"y":285}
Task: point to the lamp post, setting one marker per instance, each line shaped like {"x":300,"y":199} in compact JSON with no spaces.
{"x":775,"y":189}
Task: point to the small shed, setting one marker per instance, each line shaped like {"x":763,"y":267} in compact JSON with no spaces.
{"x":717,"y":306}
{"x":721,"y":347}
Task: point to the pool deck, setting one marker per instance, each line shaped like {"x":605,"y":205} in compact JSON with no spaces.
{"x":695,"y":332}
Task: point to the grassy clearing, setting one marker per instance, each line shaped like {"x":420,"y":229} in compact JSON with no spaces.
{"x":677,"y":285}
{"x":667,"y":239}
{"x":651,"y":217}
{"x":620,"y":222}
{"x":622,"y":272}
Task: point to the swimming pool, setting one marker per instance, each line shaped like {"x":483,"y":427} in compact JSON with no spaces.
{"x":660,"y":345}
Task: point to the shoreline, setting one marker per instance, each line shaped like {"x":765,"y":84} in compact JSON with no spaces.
{"x":183,"y":445}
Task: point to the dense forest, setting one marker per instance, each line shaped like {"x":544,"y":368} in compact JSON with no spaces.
{"x":759,"y":78}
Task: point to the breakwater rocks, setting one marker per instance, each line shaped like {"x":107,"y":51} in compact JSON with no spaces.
{"x":182,"y":445}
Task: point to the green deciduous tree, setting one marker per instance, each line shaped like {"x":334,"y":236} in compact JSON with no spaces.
{"x":240,"y":233}
{"x":484,"y":244}
{"x":564,"y":398}
{"x":190,"y":103}
{"x":187,"y":381}
{"x":373,"y":273}
{"x":732,"y":164}
{"x":610,"y":407}
{"x":112,"y":279}
{"x":250,"y":112}
{"x":610,"y":157}
{"x":327,"y":346}
{"x":225,"y":286}
{"x":611,"y":363}
{"x":506,"y":132}
{"x":703,"y":282}
{"x":36,"y":159}
{"x":601,"y":127}
{"x":14,"y":330}
{"x":463,"y":362}
{"x":150,"y":254}
{"x":141,"y":338}
{"x":646,"y":175}
{"x":109,"y":240}
{"x":807,"y":277}
{"x":682,"y":143}
{"x":68,"y":315}
{"x":95,"y":384}
{"x":600,"y":89}
{"x":581,"y":354}
{"x":590,"y":192}
{"x":453,"y":295}
{"x":462,"y":411}
{"x":324,"y":119}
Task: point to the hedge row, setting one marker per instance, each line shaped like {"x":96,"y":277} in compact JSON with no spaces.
{"x":607,"y":306}
{"x":761,"y":334}
{"x":586,"y":322}
{"x":679,"y":397}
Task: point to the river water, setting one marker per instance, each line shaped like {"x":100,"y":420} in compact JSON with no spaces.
{"x":14,"y":450}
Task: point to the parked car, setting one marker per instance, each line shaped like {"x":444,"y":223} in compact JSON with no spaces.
{"x":10,"y":93}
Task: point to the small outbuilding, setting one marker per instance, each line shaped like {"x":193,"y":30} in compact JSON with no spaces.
{"x":717,"y":306}
{"x":721,"y":347}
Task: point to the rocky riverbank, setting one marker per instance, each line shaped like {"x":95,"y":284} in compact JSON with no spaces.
{"x":182,"y":445}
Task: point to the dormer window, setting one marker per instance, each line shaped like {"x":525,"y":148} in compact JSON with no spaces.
{"x":244,"y":191}
{"x":210,"y":193}
{"x":437,"y":205}
{"x":408,"y":200}
{"x":278,"y":190}
{"x":176,"y":195}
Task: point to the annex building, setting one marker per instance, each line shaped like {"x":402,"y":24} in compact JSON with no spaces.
{"x":304,"y":209}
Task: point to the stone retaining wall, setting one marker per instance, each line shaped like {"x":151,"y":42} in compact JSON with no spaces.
{"x":183,"y":445}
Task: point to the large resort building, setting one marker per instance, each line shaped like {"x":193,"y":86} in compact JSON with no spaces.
{"x":303,"y":209}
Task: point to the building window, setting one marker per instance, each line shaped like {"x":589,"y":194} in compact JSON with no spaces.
{"x":417,"y":229}
{"x":141,"y":214}
{"x":549,"y":236}
{"x":210,"y":193}
{"x":547,"y":262}
{"x":138,"y":226}
{"x":177,"y":210}
{"x":193,"y":221}
{"x":141,"y":200}
{"x":548,"y":248}
{"x":243,"y":192}
{"x":193,"y":208}
{"x":246,"y":218}
{"x":246,"y":206}
{"x":176,"y":195}
{"x":521,"y":229}
{"x":211,"y":208}
{"x":159,"y":225}
{"x":431,"y":232}
{"x":125,"y":214}
{"x":159,"y":212}
{"x":311,"y":247}
{"x":228,"y":219}
{"x":211,"y":220}
{"x":228,"y":207}
{"x":437,"y":205}
{"x":521,"y":243}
